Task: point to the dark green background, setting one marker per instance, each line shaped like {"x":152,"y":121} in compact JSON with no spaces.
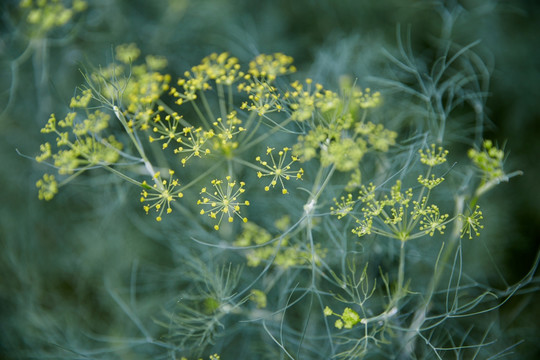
{"x":55,"y":255}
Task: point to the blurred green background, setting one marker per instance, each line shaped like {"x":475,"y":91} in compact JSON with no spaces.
{"x":54,"y":256}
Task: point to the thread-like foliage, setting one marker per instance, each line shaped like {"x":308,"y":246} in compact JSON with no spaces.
{"x":257,"y":212}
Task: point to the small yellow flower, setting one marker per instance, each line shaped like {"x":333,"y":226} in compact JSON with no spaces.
{"x":127,"y":53}
{"x":48,"y":187}
{"x":278,"y":170}
{"x":160,"y":195}
{"x":193,"y":143}
{"x":430,"y":183}
{"x":259,"y":297}
{"x":366,"y":99}
{"x":46,"y":152}
{"x":471,"y":223}
{"x":226,"y":129}
{"x":364,"y":227}
{"x":433,"y":157}
{"x":350,"y":318}
{"x":222,"y":68}
{"x":270,"y":66}
{"x":433,"y":220}
{"x":166,"y":128}
{"x":223,"y":202}
{"x":343,"y":207}
{"x":81,"y":101}
{"x":489,"y":160}
{"x":327,"y":311}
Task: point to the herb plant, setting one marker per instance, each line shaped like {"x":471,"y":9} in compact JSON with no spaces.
{"x":286,"y":217}
{"x":292,"y":187}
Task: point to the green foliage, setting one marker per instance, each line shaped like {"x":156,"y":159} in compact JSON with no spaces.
{"x":251,"y":207}
{"x":331,"y":137}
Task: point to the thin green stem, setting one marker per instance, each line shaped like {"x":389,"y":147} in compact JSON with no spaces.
{"x":266,"y":135}
{"x":245,"y":137}
{"x":221,"y":99}
{"x":207,"y":106}
{"x":122,"y":175}
{"x":230,"y":97}
{"x":138,"y":146}
{"x":248,"y":164}
{"x":15,"y":64}
{"x":73,"y":176}
{"x":421,"y":314}
{"x":401,"y":273}
{"x":200,"y":115}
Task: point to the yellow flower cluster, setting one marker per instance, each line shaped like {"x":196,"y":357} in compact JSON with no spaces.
{"x":269,"y":67}
{"x":225,"y":130}
{"x":388,"y":214}
{"x":433,"y":156}
{"x":340,"y":148}
{"x":137,"y":86}
{"x":471,"y":223}
{"x":281,"y":250}
{"x":263,"y":98}
{"x":223,"y":201}
{"x":305,"y":100}
{"x":489,"y":160}
{"x":48,"y":187}
{"x":347,"y":320}
{"x":215,"y":128}
{"x":220,"y":68}
{"x":278,"y":170}
{"x":44,"y":15}
{"x":79,"y":142}
{"x":161,"y":194}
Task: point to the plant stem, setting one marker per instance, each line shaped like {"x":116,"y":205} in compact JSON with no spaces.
{"x":138,"y":146}
{"x":421,"y":314}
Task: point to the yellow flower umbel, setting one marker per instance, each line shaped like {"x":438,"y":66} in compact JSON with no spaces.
{"x":279,"y":171}
{"x":48,"y":187}
{"x":433,"y":220}
{"x":390,"y":215}
{"x":222,"y":68}
{"x":343,"y":206}
{"x":433,"y":156}
{"x":192,"y":142}
{"x":166,"y":129}
{"x":302,"y":101}
{"x":366,"y":99}
{"x":284,"y":254}
{"x":127,"y":53}
{"x":137,"y":86}
{"x":263,"y":98}
{"x":223,"y":201}
{"x":347,"y":320}
{"x":471,"y":223}
{"x":160,"y":197}
{"x":80,"y":143}
{"x":489,"y":163}
{"x":45,"y":15}
{"x":489,"y":160}
{"x":268,"y":67}
{"x":258,"y":297}
{"x":224,"y":133}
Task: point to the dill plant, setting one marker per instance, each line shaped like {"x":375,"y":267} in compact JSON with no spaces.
{"x":41,"y":23}
{"x":216,"y":133}
{"x":312,"y":221}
